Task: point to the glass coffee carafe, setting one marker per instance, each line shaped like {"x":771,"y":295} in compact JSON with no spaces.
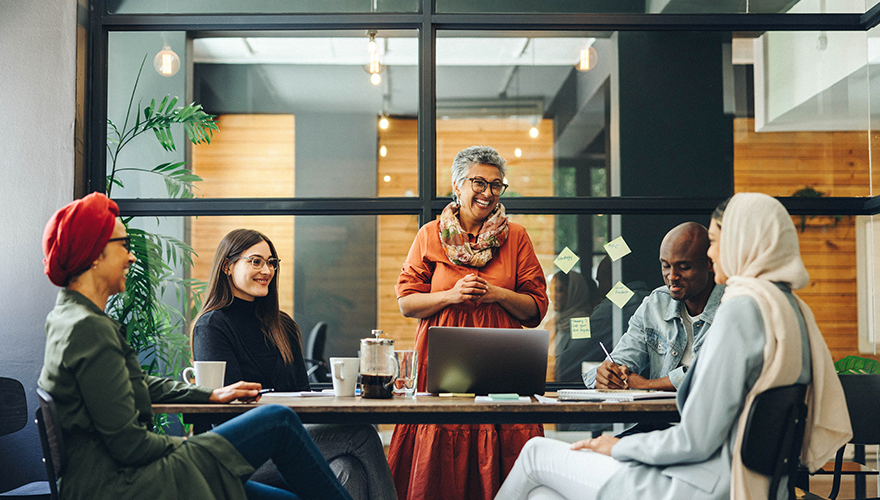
{"x":378,"y":367}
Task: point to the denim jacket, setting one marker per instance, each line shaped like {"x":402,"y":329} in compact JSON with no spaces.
{"x":655,"y":340}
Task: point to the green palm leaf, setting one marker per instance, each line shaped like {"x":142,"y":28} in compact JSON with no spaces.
{"x":856,"y":364}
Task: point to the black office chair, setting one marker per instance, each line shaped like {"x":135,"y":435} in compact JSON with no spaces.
{"x":316,"y":363}
{"x":52,"y":439}
{"x":862,"y":394}
{"x":774,"y":434}
{"x":13,"y":418}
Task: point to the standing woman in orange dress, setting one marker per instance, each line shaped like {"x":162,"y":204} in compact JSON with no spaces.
{"x":472,"y":267}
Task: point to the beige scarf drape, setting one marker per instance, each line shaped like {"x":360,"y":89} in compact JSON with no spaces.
{"x":759,"y":246}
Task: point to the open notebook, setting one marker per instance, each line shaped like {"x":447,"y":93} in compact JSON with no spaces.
{"x":611,"y":395}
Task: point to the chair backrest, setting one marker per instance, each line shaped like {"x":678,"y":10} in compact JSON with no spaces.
{"x":13,"y":406}
{"x":52,"y":439}
{"x":316,"y":340}
{"x":774,"y":433}
{"x":863,"y":402}
{"x":315,"y":353}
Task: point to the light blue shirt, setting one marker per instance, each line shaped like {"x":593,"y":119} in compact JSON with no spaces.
{"x":693,"y":459}
{"x":656,"y":339}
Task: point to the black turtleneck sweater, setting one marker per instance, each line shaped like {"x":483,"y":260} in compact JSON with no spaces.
{"x":233,"y":334}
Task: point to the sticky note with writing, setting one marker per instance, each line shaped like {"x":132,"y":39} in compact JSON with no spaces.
{"x":620,"y":294}
{"x":566,"y":260}
{"x":617,"y":248}
{"x":580,"y":328}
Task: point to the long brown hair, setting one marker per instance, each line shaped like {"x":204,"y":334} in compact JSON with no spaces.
{"x":273,"y":322}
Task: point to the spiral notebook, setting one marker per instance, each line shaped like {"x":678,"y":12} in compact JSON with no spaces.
{"x":611,"y":395}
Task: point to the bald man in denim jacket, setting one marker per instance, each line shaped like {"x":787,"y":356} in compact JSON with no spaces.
{"x":667,"y":330}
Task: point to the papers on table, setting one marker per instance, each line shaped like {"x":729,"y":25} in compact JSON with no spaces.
{"x":303,"y":394}
{"x":611,"y":395}
{"x":500,"y":399}
{"x":545,"y":399}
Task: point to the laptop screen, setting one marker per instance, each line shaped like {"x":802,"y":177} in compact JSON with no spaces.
{"x":487,"y":360}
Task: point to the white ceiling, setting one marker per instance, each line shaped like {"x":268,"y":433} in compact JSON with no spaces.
{"x":396,"y":51}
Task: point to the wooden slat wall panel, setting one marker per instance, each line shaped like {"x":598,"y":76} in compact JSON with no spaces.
{"x":528,"y":175}
{"x":250,"y":156}
{"x":836,"y":163}
{"x":396,"y":232}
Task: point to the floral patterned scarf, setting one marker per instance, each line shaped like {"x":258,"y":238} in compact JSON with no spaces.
{"x":455,"y":242}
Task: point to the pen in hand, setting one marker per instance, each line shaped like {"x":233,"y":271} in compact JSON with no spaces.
{"x":606,"y":352}
{"x":612,"y":360}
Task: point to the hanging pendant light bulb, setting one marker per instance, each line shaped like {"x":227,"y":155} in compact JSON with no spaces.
{"x":383,"y":123}
{"x":166,"y":62}
{"x":374,"y":67}
{"x":371,"y":45}
{"x":588,"y":59}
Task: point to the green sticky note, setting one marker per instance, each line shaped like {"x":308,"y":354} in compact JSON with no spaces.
{"x":503,"y":397}
{"x":617,"y":248}
{"x":580,"y":328}
{"x":566,"y":260}
{"x":620,"y":294}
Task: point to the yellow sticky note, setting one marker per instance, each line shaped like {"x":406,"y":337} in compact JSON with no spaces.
{"x":566,"y":260}
{"x":617,"y":248}
{"x":620,"y":294}
{"x":580,"y":328}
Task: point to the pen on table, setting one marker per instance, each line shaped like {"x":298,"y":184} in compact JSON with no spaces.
{"x":625,"y":383}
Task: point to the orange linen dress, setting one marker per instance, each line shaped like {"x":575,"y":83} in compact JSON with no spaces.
{"x":462,"y":461}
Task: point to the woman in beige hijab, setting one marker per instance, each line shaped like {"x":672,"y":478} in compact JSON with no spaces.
{"x":763,"y":337}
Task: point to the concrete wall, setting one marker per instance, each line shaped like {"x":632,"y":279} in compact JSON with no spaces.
{"x":37,"y":105}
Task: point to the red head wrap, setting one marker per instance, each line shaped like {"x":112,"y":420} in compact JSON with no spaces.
{"x":76,"y":235}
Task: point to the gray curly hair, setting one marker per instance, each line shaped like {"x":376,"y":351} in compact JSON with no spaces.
{"x":475,"y":155}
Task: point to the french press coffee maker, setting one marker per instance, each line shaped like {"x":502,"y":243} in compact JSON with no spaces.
{"x":378,"y":367}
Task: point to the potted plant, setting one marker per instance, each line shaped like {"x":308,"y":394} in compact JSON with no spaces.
{"x":155,"y":328}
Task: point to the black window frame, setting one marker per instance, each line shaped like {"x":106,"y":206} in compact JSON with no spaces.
{"x":427,"y":204}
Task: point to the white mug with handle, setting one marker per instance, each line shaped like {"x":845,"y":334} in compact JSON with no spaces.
{"x":344,"y":372}
{"x":208,"y":374}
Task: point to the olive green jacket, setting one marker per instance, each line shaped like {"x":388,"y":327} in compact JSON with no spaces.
{"x":104,"y":399}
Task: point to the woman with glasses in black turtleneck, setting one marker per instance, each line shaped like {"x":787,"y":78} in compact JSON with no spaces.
{"x":242,"y":324}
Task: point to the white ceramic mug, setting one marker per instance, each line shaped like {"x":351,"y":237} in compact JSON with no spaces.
{"x":208,"y":374}
{"x":345,"y":373}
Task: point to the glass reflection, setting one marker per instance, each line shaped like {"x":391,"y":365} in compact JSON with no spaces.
{"x":651,"y":7}
{"x":295,"y":110}
{"x":262,"y":7}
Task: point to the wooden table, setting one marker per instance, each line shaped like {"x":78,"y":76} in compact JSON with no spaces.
{"x":435,"y":410}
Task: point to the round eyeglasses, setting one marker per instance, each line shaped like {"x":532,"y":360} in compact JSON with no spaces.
{"x":125,"y":240}
{"x":478,"y":184}
{"x":259,"y":262}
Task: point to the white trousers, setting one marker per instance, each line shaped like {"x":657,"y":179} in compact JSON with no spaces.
{"x":547,"y":469}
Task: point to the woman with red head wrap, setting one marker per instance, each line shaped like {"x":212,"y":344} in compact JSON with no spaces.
{"x":104,"y":398}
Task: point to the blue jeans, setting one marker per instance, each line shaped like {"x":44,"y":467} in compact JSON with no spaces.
{"x":275,"y":432}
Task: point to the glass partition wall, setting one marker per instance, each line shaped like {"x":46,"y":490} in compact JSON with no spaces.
{"x":336,"y":132}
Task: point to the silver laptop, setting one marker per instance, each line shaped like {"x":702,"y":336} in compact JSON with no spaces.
{"x":487,"y":360}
